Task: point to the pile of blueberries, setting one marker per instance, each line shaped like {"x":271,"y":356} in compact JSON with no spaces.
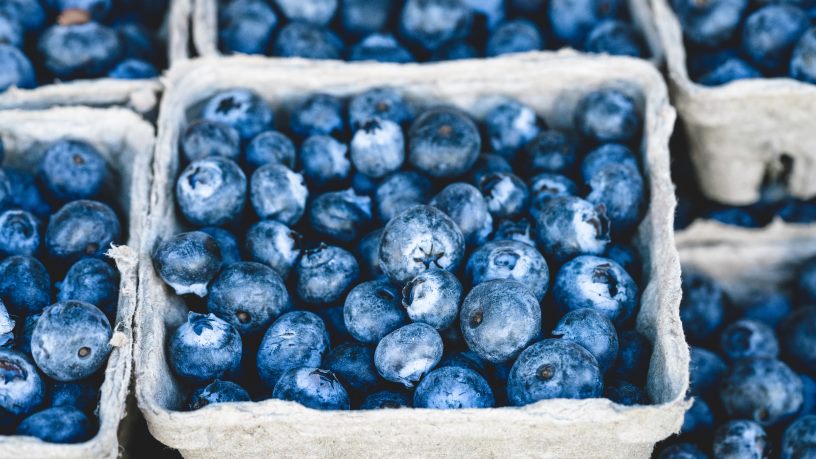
{"x":729,"y":40}
{"x":53,"y":354}
{"x":753,"y":366}
{"x":402,"y":256}
{"x":42,"y":41}
{"x":424,"y":30}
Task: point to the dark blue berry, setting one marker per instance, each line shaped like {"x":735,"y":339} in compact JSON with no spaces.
{"x":372,"y":310}
{"x":71,"y":169}
{"x":93,"y":281}
{"x":187,"y":262}
{"x":408,"y":353}
{"x":296,"y":339}
{"x":218,"y":392}
{"x":453,"y":388}
{"x":203,"y":138}
{"x":325,"y":274}
{"x":211,"y":191}
{"x":443,"y":142}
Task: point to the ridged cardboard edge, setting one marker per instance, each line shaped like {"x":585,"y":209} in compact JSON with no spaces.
{"x":738,"y":131}
{"x":108,"y":129}
{"x":558,"y":428}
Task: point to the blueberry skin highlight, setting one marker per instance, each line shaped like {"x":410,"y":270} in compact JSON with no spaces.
{"x":620,"y":189}
{"x":57,"y":425}
{"x":569,"y":226}
{"x":798,"y":336}
{"x":71,"y":340}
{"x":16,"y":69}
{"x":362,"y":17}
{"x":596,"y":283}
{"x":379,"y":103}
{"x":211,"y":191}
{"x":72,"y":169}
{"x":87,"y":50}
{"x":372,"y":310}
{"x":298,"y":39}
{"x":93,"y":281}
{"x":748,"y":338}
{"x":544,"y":187}
{"x":273,"y":244}
{"x":408,"y":353}
{"x":443,"y":142}
{"x":134,"y":69}
{"x":702,"y":308}
{"x":296,"y":339}
{"x":467,"y":207}
{"x":25,"y":286}
{"x":217,"y":392}
{"x":249,"y":296}
{"x":500,"y":318}
{"x":324,"y":274}
{"x":246,"y":26}
{"x":325,"y":161}
{"x":593,"y":331}
{"x":270,"y":147}
{"x":278,"y":193}
{"x":799,"y":438}
{"x":607,"y":115}
{"x":400,"y":191}
{"x":453,"y":388}
{"x":19,"y":233}
{"x":516,"y":36}
{"x":378,"y":148}
{"x":761,"y":389}
{"x":486,"y":164}
{"x":313,"y":388}
{"x":418,"y":239}
{"x":353,"y":363}
{"x":431,"y":23}
{"x":386,"y":399}
{"x":21,"y":388}
{"x":227,"y":244}
{"x":318,"y":114}
{"x":729,"y":70}
{"x":553,"y":368}
{"x":510,"y":126}
{"x":520,"y":231}
{"x":341,"y":215}
{"x":202,"y":139}
{"x":506,"y":194}
{"x":509,"y":260}
{"x":242,"y":109}
{"x":433,"y":297}
{"x":380,"y":48}
{"x":204,"y":348}
{"x":770,"y":34}
{"x":709,"y":23}
{"x":187,"y":262}
{"x":741,"y":439}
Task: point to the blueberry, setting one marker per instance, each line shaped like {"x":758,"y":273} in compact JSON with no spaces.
{"x":57,"y":425}
{"x":506,"y":194}
{"x":227,"y":244}
{"x":730,"y":70}
{"x":353,"y":363}
{"x":187,"y":262}
{"x":796,"y":211}
{"x":11,"y":32}
{"x":19,"y":233}
{"x":605,"y":155}
{"x":93,"y":281}
{"x":616,"y":38}
{"x":553,"y":368}
{"x":335,"y":324}
{"x":87,"y":50}
{"x":249,"y":296}
{"x":211,"y":191}
{"x":749,"y":338}
{"x":372,"y":310}
{"x":380,"y":48}
{"x":317,"y":12}
{"x":399,"y":192}
{"x":325,"y":274}
{"x":203,"y":138}
{"x":798,"y":336}
{"x":520,"y":231}
{"x":368,"y":253}
{"x":499,"y":318}
{"x":318,"y":114}
{"x":204,"y":348}
{"x":433,"y":297}
{"x":98,"y":9}
{"x":242,"y":109}
{"x":408,"y":353}
{"x":453,"y":388}
{"x":379,"y":103}
{"x":217,"y":392}
{"x":698,"y":420}
{"x":29,"y":13}
{"x":568,"y":226}
{"x":634,"y":353}
{"x":682,"y":451}
{"x":443,"y":142}
{"x":134,"y":69}
{"x":312,"y":388}
{"x":572,"y":20}
{"x":544,"y":187}
{"x":806,"y":281}
{"x":593,"y":331}
{"x":270,"y":147}
{"x":803,"y":62}
{"x":487,"y":164}
{"x":799,"y":440}
{"x":626,"y":256}
{"x":733,"y":216}
{"x":419,"y":239}
{"x":378,"y":148}
{"x":596,"y":283}
{"x":770,"y":34}
{"x":342,"y":215}
{"x":277,"y":193}
{"x":364,"y":16}
{"x":386,"y":399}
{"x":467,"y":207}
{"x":741,"y":439}
{"x":71,"y":340}
{"x":6,"y":327}
{"x":273,"y":244}
{"x":702,"y":308}
{"x":72,"y":169}
{"x":25,"y":287}
{"x":509,"y":260}
{"x":25,"y":194}
{"x":455,"y":50}
{"x":295,"y":339}
{"x":21,"y":388}
{"x":510,"y":126}
{"x":82,"y":395}
{"x":620,"y":189}
{"x":516,"y":36}
{"x":625,"y":393}
{"x":246,"y":26}
{"x":325,"y":161}
{"x":761,"y":389}
{"x":16,"y":70}
{"x":298,"y":39}
{"x":706,"y":370}
{"x":432,"y":23}
{"x":607,"y":115}
{"x":550,"y":151}
{"x":22,"y":343}
{"x":710,"y":23}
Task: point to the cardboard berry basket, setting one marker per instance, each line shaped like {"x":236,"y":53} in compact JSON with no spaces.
{"x":549,"y":82}
{"x":741,"y":131}
{"x":205,"y":27}
{"x":126,"y":142}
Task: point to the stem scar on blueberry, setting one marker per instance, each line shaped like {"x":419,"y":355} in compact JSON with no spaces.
{"x":545,"y":372}
{"x":602,"y":274}
{"x":385,"y":295}
{"x":445,"y":130}
{"x":383,"y":107}
{"x":227,"y":105}
{"x":84,"y":352}
{"x":476,"y":319}
{"x":243,"y":317}
{"x":79,"y":160}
